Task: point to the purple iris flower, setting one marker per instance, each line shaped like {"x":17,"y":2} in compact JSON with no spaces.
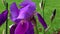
{"x":3,"y":17}
{"x":24,"y":18}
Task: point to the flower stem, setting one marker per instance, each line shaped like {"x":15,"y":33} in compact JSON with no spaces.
{"x":6,"y":5}
{"x":35,"y":25}
{"x":7,"y":19}
{"x":36,"y":29}
{"x":43,"y":1}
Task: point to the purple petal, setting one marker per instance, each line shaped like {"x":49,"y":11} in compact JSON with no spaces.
{"x":27,"y":0}
{"x":42,"y":21}
{"x":14,"y":12}
{"x":25,"y":3}
{"x":26,"y":12}
{"x":12,"y":29}
{"x":22,"y":27}
{"x":3,"y":17}
{"x":17,"y":21}
{"x":31,"y":29}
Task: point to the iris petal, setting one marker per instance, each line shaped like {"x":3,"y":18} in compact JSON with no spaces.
{"x":14,"y":11}
{"x":17,"y":21}
{"x":3,"y":17}
{"x":12,"y":29}
{"x":30,"y":30}
{"x":22,"y":27}
{"x":26,"y":12}
{"x":42,"y":21}
{"x":27,"y":2}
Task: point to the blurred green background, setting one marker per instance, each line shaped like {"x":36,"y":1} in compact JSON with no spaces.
{"x":50,"y":5}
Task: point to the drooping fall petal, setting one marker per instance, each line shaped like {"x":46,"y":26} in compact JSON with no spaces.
{"x":31,"y":29}
{"x":41,"y":20}
{"x":22,"y":27}
{"x":17,"y":21}
{"x":14,"y":11}
{"x":12,"y":29}
{"x":3,"y":17}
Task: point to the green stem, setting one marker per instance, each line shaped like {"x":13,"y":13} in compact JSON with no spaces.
{"x":35,"y":25}
{"x":43,"y":2}
{"x":7,"y":19}
{"x":36,"y":30}
{"x":43,"y":11}
{"x":7,"y":26}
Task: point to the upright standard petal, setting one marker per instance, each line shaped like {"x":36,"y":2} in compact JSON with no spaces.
{"x":14,"y":12}
{"x":42,"y":21}
{"x":3,"y":17}
{"x":26,"y":12}
{"x":12,"y":29}
{"x":22,"y":27}
{"x":31,"y":29}
{"x":27,"y":2}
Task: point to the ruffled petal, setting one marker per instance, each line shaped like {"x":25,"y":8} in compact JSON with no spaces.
{"x":26,"y":12}
{"x":22,"y":27}
{"x":42,"y":21}
{"x":23,"y":14}
{"x":3,"y":17}
{"x":12,"y":29}
{"x":14,"y":11}
{"x":31,"y":29}
{"x":27,"y":2}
